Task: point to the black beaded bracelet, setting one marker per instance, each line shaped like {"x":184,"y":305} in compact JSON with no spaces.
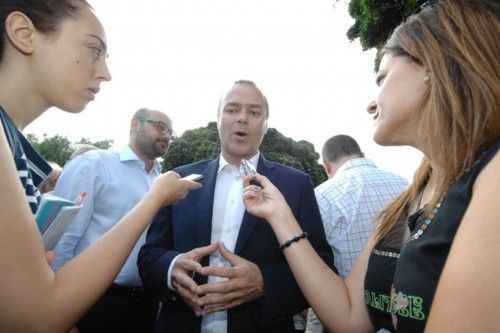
{"x":293,"y":240}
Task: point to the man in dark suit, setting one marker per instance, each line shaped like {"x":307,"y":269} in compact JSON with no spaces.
{"x":256,"y":291}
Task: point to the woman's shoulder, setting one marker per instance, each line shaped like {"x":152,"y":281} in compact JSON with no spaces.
{"x":489,"y":175}
{"x":490,"y":152}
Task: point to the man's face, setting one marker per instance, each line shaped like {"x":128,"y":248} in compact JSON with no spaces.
{"x":154,"y":135}
{"x":242,"y":123}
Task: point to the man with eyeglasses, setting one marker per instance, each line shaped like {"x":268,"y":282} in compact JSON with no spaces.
{"x":114,"y":182}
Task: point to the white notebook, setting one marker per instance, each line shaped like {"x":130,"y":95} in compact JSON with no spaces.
{"x":56,"y":229}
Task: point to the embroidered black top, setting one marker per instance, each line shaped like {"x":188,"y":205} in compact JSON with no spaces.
{"x":400,"y":287}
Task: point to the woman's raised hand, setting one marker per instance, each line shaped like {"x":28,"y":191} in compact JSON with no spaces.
{"x":264,"y":201}
{"x":170,"y":188}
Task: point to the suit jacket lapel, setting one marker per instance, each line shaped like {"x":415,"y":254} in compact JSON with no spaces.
{"x":204,"y":206}
{"x":249,"y":222}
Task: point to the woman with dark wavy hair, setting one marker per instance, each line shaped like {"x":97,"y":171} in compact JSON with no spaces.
{"x":433,"y":263}
{"x":53,"y":54}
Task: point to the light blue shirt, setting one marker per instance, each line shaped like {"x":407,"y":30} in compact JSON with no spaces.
{"x":349,"y":203}
{"x":115,"y":181}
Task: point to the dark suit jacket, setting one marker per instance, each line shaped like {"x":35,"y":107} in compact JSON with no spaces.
{"x":187,"y":225}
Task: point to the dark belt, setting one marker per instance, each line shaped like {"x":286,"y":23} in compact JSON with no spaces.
{"x":126,"y":292}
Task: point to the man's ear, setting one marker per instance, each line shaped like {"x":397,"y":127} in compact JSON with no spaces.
{"x":218,"y":120}
{"x":20,"y":32}
{"x":134,"y":124}
{"x":327,"y":167}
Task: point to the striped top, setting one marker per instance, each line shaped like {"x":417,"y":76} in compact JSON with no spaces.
{"x":31,"y":167}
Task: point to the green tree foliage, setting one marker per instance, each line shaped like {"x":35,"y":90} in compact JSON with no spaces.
{"x":58,"y":148}
{"x":194,"y":145}
{"x":374,"y":20}
{"x":300,"y":155}
{"x":203,"y":143}
{"x":102,"y":144}
{"x":199,"y":144}
{"x":55,"y":149}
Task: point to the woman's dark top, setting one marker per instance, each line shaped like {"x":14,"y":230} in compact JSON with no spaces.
{"x":31,"y":167}
{"x":400,"y":285}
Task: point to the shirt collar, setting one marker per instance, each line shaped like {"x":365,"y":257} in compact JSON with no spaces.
{"x":222,"y":161}
{"x":354,"y":163}
{"x":127,"y":154}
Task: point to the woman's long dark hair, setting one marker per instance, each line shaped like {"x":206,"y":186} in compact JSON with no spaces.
{"x":46,"y":15}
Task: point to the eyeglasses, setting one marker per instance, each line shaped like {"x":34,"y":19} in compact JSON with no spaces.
{"x":425,"y":4}
{"x":159,"y":125}
{"x":421,"y":7}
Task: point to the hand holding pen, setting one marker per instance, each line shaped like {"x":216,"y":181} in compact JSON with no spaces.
{"x":79,"y":199}
{"x":247,"y":169}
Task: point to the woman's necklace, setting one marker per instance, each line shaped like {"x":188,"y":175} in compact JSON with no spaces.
{"x":427,"y":222}
{"x":429,"y":218}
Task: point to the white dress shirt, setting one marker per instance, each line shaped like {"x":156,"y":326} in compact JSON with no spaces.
{"x":114,"y":181}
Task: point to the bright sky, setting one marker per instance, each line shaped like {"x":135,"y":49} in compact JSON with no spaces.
{"x":179,"y":56}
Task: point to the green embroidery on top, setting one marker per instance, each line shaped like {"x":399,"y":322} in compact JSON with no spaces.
{"x":378,"y":301}
{"x":407,"y":306}
{"x":400,"y":304}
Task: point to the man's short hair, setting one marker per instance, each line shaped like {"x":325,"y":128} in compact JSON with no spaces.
{"x":81,"y":148}
{"x":141,"y":113}
{"x":252,"y":84}
{"x":339,"y":146}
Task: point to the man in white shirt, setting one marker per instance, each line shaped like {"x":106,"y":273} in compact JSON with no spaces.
{"x":349,"y":202}
{"x":252,"y":288}
{"x":114,"y":181}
